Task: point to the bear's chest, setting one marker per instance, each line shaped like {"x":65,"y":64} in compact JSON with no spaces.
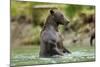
{"x":58,"y":37}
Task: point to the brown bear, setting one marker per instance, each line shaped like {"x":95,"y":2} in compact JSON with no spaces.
{"x":50,"y":40}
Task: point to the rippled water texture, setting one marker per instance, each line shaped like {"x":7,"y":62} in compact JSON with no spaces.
{"x":29,"y":56}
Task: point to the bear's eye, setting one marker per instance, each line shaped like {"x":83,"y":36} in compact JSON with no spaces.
{"x":61,"y":15}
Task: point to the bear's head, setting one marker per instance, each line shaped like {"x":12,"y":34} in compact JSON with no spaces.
{"x":59,"y":17}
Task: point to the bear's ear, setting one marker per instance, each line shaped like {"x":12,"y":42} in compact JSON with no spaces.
{"x":51,"y":12}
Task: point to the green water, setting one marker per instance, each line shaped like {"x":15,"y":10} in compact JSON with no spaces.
{"x":29,"y":56}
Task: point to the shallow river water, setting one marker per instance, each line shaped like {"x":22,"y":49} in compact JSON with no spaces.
{"x":29,"y":56}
